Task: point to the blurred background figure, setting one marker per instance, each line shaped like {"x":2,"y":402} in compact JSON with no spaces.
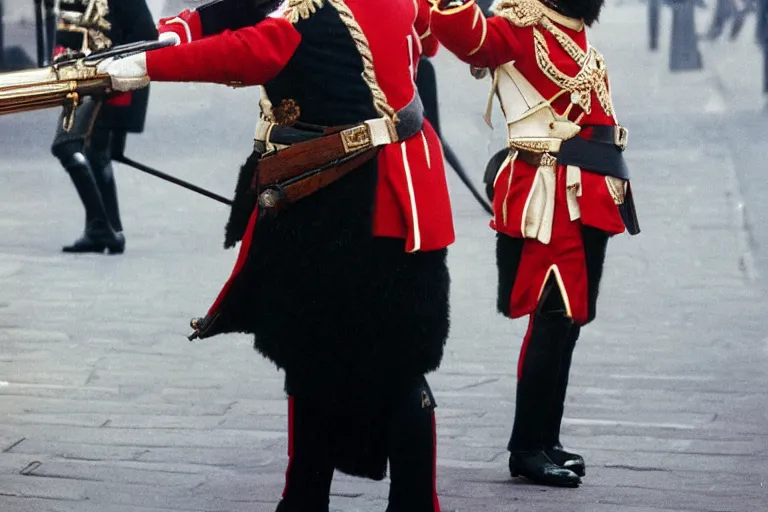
{"x":762,"y":37}
{"x":99,"y":127}
{"x":727,"y":10}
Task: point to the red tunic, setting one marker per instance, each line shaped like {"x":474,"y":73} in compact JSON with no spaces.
{"x":489,"y":43}
{"x":412,"y":199}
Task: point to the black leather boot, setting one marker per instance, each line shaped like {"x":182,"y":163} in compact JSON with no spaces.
{"x":539,"y":370}
{"x":98,"y":235}
{"x":99,"y":155}
{"x":553,"y":447}
{"x":411,"y":447}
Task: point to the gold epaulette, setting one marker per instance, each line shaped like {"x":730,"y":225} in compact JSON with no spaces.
{"x":528,"y":13}
{"x":301,"y":9}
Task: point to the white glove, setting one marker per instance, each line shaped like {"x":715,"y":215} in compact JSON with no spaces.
{"x":170,"y":36}
{"x":127,"y":73}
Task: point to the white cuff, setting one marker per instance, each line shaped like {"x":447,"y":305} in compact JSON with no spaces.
{"x":127,"y":73}
{"x":170,"y":36}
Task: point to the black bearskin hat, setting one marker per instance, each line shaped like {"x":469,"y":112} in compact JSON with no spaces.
{"x":588,"y":10}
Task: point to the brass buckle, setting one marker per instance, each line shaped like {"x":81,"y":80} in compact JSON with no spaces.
{"x":547,"y":160}
{"x":620,"y":136}
{"x":356,"y":138}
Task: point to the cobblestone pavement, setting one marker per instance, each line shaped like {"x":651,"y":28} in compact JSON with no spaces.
{"x":105,"y":407}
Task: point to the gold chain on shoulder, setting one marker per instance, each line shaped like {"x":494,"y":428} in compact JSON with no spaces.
{"x":569,"y":45}
{"x":592,"y":75}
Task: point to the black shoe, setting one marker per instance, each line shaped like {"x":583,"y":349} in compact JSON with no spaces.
{"x":98,"y":239}
{"x":539,"y":469}
{"x":285,"y":506}
{"x":567,"y":460}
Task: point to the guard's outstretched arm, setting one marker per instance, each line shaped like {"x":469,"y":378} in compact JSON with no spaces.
{"x":250,"y":56}
{"x":462,"y":27}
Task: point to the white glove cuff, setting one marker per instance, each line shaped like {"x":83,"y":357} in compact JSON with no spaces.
{"x":128,"y":73}
{"x":170,"y":36}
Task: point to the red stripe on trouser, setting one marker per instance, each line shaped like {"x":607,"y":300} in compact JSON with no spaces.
{"x":435,"y":500}
{"x":524,"y":348}
{"x":291,"y":414}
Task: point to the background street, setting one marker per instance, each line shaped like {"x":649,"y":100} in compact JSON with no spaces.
{"x":106,"y":407}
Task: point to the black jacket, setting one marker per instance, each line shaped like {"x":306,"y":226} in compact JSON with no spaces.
{"x":131,"y":22}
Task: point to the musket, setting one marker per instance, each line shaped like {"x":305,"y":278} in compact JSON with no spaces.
{"x":64,"y":83}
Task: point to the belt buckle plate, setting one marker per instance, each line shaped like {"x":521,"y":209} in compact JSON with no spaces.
{"x":356,"y":138}
{"x":620,"y":137}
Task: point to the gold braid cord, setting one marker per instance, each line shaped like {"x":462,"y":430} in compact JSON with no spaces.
{"x":303,"y":9}
{"x":592,"y":75}
{"x":569,"y":45}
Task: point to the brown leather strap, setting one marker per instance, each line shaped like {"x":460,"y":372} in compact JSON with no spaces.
{"x":304,"y":167}
{"x":312,"y":184}
{"x":299,"y":158}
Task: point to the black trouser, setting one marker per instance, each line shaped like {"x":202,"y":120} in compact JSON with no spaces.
{"x":85,"y":153}
{"x":410,"y":443}
{"x":545,"y":357}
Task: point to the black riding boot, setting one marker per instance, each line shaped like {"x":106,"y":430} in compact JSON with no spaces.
{"x":553,"y":448}
{"x":310,"y":468}
{"x":412,"y":451}
{"x":98,"y":235}
{"x":100,"y":157}
{"x":537,"y":382}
